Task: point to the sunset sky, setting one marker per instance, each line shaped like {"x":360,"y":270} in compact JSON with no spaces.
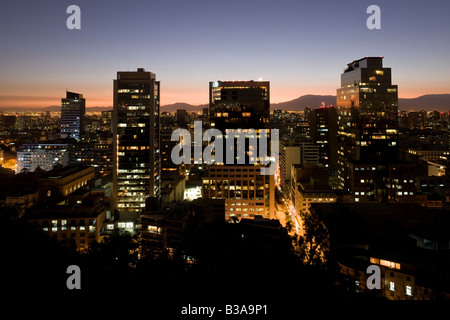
{"x":301,"y":47}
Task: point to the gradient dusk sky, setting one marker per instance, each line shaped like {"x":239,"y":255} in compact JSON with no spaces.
{"x":301,"y":47}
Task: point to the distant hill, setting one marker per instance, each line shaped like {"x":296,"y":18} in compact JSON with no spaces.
{"x":183,"y":106}
{"x":440,"y":102}
{"x":313,"y":101}
{"x":309,"y":100}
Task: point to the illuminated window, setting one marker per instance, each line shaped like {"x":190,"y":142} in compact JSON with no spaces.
{"x":391,"y":286}
{"x":380,"y":72}
{"x":374,"y":260}
{"x":408,"y":291}
{"x":390,"y":264}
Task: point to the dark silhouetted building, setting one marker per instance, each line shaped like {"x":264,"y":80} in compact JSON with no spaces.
{"x":323,"y":131}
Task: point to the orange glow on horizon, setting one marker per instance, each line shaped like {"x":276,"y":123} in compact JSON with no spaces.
{"x":199,"y":97}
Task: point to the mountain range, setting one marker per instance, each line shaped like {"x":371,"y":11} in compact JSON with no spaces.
{"x":440,"y":102}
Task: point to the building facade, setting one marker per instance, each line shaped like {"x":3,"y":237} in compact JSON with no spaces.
{"x":136,"y":143}
{"x":73,"y":109}
{"x":236,"y":105}
{"x":77,"y":222}
{"x":42,"y":155}
{"x":323,"y":130}
{"x":295,"y":151}
{"x":367,"y":105}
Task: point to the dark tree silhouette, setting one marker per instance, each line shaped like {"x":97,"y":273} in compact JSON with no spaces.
{"x":313,"y":245}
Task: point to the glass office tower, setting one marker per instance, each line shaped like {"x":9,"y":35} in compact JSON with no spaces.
{"x":73,"y":109}
{"x":136,"y":122}
{"x":367,"y":124}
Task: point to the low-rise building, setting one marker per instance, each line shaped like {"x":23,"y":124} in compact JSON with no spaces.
{"x":437,"y":168}
{"x":62,"y":182}
{"x":173,"y":188}
{"x":404,"y":240}
{"x":309,"y":184}
{"x":75,"y":221}
{"x":42,"y":155}
{"x":163,"y":224}
{"x":22,"y":202}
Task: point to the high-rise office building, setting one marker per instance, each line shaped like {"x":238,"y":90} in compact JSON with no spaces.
{"x":323,"y":131}
{"x":136,"y":140}
{"x":73,"y":109}
{"x":240,"y":105}
{"x":367,"y":126}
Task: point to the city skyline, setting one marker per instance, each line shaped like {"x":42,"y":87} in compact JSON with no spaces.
{"x":300,"y":55}
{"x":197,"y":154}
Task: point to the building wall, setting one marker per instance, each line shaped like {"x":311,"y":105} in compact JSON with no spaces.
{"x":289,"y":155}
{"x":436,"y":169}
{"x":304,"y":198}
{"x":246,"y":192}
{"x":72,"y":115}
{"x":367,"y":116}
{"x":45,"y":156}
{"x":22,"y":203}
{"x":240,"y":105}
{"x":394,"y":282}
{"x":64,"y":186}
{"x":174,"y":191}
{"x":136,"y":145}
{"x":81,"y":230}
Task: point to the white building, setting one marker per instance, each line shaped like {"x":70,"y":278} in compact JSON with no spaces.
{"x":42,"y":155}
